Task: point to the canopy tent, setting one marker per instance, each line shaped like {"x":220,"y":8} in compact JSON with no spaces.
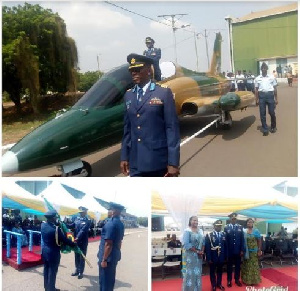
{"x":218,"y":200}
{"x":289,"y":187}
{"x":95,"y":210}
{"x":60,"y":198}
{"x":15,"y":197}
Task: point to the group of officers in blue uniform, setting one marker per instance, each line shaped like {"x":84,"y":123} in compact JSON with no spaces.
{"x":222,"y":247}
{"x":109,"y":249}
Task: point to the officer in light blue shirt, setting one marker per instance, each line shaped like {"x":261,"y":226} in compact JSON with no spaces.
{"x":266,"y":96}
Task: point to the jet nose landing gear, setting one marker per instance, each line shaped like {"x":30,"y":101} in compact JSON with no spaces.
{"x":225,"y":121}
{"x":76,"y":169}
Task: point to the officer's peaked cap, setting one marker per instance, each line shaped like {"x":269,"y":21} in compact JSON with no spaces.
{"x":218,"y":222}
{"x":136,"y":61}
{"x":264,"y":65}
{"x":116,"y":206}
{"x":82,"y":209}
{"x":149,"y":39}
{"x":233,"y":215}
{"x":50,"y":213}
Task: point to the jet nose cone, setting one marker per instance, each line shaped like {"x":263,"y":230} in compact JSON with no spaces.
{"x":10,"y":163}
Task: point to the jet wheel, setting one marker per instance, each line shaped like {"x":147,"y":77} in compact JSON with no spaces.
{"x":226,"y":122}
{"x":85,"y":171}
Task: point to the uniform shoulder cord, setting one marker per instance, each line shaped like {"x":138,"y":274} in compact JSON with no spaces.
{"x":213,"y":248}
{"x":56,"y":236}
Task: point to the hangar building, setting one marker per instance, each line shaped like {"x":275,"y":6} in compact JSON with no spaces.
{"x":270,"y":36}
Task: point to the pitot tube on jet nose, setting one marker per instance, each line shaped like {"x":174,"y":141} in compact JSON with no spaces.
{"x":228,"y":101}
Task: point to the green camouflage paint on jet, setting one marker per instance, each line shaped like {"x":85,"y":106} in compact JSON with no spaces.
{"x":96,"y":120}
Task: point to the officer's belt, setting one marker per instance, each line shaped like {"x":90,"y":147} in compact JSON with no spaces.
{"x":214,"y":248}
{"x":56,"y":236}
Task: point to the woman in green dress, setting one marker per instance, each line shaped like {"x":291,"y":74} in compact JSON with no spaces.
{"x":250,"y":268}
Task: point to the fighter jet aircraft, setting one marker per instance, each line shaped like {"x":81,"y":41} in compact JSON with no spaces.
{"x":96,"y":120}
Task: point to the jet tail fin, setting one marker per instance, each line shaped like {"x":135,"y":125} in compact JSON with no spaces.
{"x":215,"y":66}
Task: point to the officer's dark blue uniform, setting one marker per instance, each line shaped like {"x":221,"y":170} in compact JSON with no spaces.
{"x":81,"y":227}
{"x":112,"y":231}
{"x":155,"y":54}
{"x":236,"y":246}
{"x":151,"y":140}
{"x":50,"y":250}
{"x":216,"y":254}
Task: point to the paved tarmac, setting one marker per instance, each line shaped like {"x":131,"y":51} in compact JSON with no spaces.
{"x":241,"y":151}
{"x":132,"y":273}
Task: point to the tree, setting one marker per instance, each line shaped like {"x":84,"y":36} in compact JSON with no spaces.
{"x":37,"y":53}
{"x":87,"y":80}
{"x":143,"y":221}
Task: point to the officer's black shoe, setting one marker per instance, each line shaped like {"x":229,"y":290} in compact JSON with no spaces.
{"x":75,"y":274}
{"x":80,"y":276}
{"x":273,"y":130}
{"x":229,"y":284}
{"x":238,"y":283}
{"x":265,"y":133}
{"x":221,"y":287}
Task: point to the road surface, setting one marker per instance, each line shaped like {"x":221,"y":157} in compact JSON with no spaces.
{"x":132,"y":273}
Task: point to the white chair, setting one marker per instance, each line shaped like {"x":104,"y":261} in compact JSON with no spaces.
{"x":170,"y":267}
{"x":158,"y":259}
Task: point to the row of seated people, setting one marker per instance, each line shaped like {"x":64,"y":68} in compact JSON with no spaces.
{"x":170,"y":241}
{"x":15,"y":223}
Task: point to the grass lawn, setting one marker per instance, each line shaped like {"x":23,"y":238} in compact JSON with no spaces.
{"x":16,"y":125}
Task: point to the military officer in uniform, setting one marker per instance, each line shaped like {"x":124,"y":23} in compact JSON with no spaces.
{"x":81,"y":227}
{"x":155,"y":54}
{"x":216,"y":254}
{"x":52,"y":237}
{"x":236,"y":247}
{"x":109,"y":215}
{"x":151,"y":140}
{"x":110,"y":248}
{"x":266,"y":95}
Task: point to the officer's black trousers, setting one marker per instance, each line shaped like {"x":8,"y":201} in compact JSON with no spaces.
{"x":79,"y":260}
{"x":50,"y":271}
{"x":236,"y":260}
{"x":107,"y":277}
{"x":213,"y":280}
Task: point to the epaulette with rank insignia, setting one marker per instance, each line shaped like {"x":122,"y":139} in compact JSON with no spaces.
{"x":164,"y":86}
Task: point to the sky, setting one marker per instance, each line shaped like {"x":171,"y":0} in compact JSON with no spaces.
{"x":109,"y":31}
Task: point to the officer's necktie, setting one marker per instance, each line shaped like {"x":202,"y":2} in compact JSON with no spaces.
{"x":140,"y":95}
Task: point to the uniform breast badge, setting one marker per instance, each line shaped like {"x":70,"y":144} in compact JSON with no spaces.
{"x":155,"y":101}
{"x":128,"y":104}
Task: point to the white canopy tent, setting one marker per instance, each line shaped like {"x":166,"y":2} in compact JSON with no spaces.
{"x":60,"y":198}
{"x":95,"y":210}
{"x":206,"y":198}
